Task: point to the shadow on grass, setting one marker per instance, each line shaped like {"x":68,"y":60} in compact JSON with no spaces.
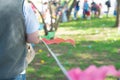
{"x":93,"y":23}
{"x":84,"y":54}
{"x":88,"y":50}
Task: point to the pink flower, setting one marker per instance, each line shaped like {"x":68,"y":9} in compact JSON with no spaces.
{"x":75,"y":73}
{"x":93,"y":73}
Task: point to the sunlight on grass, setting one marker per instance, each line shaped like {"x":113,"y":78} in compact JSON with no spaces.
{"x":97,"y":42}
{"x":84,"y":56}
{"x":30,"y":69}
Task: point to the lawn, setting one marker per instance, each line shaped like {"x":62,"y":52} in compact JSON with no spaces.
{"x":97,"y":43}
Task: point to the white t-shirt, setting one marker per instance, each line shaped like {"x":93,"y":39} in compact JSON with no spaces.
{"x":31,"y":21}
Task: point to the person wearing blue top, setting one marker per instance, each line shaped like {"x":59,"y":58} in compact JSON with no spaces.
{"x":85,"y":8}
{"x":18,"y":25}
{"x":76,"y":9}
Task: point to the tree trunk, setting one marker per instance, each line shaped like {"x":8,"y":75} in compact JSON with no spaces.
{"x":118,"y":14}
{"x":70,"y":9}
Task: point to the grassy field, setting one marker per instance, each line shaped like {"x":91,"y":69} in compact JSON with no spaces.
{"x":97,"y":43}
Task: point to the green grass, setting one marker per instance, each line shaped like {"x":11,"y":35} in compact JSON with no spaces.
{"x":97,"y":43}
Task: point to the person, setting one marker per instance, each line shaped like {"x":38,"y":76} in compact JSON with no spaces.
{"x":99,"y":10}
{"x":115,"y":9}
{"x":18,"y":25}
{"x":76,"y":9}
{"x":64,"y":12}
{"x":96,"y":9}
{"x":108,"y":4}
{"x":93,"y":8}
{"x":86,"y":12}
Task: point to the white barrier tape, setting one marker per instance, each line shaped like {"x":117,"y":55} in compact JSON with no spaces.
{"x":58,"y":62}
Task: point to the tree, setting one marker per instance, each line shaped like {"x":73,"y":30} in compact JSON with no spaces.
{"x":53,"y":8}
{"x":118,"y":14}
{"x":70,"y":8}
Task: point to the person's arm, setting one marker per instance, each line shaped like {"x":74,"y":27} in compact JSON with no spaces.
{"x":33,"y":37}
{"x":32,"y":25}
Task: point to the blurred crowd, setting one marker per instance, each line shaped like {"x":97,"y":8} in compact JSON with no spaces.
{"x":52,"y":10}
